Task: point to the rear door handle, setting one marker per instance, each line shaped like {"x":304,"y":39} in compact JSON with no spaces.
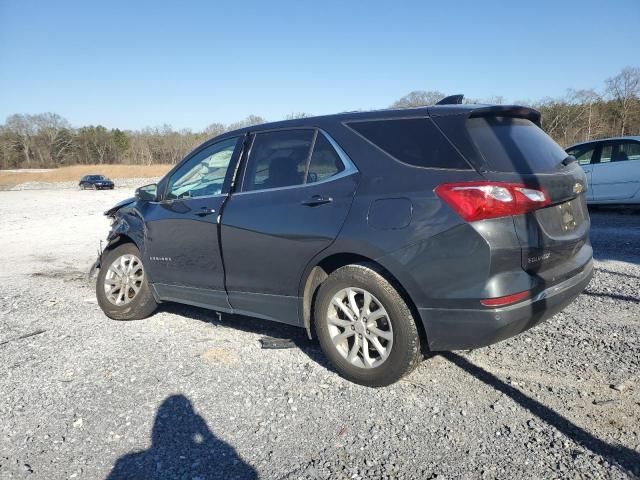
{"x":316,"y":200}
{"x":204,"y":211}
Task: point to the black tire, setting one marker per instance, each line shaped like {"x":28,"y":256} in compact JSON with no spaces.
{"x":141,"y":305}
{"x":405,"y":354}
{"x":94,"y":187}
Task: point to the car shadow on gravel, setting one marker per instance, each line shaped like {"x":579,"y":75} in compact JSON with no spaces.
{"x":182,"y":446}
{"x":266,"y":328}
{"x":614,"y":296}
{"x":624,"y":457}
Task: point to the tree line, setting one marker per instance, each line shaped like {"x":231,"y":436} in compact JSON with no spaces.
{"x":48,"y":140}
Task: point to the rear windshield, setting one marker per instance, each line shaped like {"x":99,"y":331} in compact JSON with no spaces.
{"x":415,"y":141}
{"x":514,"y":145}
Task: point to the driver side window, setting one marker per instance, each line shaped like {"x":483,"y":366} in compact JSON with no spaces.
{"x":204,"y":174}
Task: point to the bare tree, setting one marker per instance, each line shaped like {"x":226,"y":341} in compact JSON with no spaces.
{"x":54,"y":137}
{"x":23,"y":130}
{"x":247,"y":122}
{"x":418,"y":98}
{"x":294,"y":115}
{"x":214,"y":130}
{"x":624,"y":89}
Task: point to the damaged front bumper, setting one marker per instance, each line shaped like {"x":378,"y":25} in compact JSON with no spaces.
{"x":97,"y":264}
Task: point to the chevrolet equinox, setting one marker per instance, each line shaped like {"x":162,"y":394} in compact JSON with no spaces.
{"x":387,"y":234}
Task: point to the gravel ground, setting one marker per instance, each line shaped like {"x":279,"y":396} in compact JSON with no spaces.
{"x":184,"y":394}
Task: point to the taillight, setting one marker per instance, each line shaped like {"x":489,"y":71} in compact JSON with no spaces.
{"x":506,"y":300}
{"x":481,"y":200}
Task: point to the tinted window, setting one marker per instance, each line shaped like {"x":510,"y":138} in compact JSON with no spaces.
{"x":415,"y":141}
{"x":325,"y":161}
{"x":204,"y":174}
{"x":606,"y":153}
{"x":514,"y":145}
{"x":620,"y":152}
{"x":583,"y":155}
{"x":278,"y":159}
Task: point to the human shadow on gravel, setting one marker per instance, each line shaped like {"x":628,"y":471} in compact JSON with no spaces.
{"x":624,"y":457}
{"x":182,"y":446}
{"x":297,"y":335}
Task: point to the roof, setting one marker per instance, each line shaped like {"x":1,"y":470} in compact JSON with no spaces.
{"x":627,"y":137}
{"x":432,"y":110}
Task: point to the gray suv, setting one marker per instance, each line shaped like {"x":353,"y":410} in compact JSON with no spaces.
{"x":385,"y":234}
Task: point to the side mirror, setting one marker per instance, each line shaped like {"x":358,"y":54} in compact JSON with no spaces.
{"x":148,"y":193}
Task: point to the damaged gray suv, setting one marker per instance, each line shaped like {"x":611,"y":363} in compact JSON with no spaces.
{"x":384,"y":234}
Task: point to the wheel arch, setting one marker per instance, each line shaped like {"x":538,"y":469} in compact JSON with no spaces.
{"x":321,"y":271}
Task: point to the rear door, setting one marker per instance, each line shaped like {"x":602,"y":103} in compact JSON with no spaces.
{"x":181,"y":239}
{"x":586,"y":157}
{"x":616,"y":177}
{"x":297,"y":188}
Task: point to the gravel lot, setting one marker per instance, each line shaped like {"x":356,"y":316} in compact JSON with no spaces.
{"x":185,"y":395}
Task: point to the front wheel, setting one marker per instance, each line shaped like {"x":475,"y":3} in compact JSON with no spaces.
{"x":122,"y":287}
{"x":365,"y":327}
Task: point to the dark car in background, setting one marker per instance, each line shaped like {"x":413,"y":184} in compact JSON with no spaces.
{"x":95,"y":182}
{"x":386,"y":234}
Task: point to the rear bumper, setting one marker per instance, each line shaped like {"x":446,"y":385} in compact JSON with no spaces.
{"x":458,"y":329}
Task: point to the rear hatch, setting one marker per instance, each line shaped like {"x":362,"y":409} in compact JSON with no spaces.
{"x":506,"y":144}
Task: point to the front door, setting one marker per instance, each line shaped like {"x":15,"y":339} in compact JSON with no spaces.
{"x":181,"y":238}
{"x":296,"y":191}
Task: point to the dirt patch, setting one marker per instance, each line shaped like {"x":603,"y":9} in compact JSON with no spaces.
{"x":220,"y":355}
{"x":62,"y":274}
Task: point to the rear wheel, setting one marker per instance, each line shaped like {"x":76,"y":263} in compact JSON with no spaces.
{"x":365,"y":327}
{"x":122,"y":288}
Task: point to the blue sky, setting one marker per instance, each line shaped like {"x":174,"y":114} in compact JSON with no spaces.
{"x":131,"y":64}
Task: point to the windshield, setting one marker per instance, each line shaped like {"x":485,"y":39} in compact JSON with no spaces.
{"x":97,"y":177}
{"x":514,"y":145}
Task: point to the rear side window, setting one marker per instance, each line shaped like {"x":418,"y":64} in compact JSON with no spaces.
{"x":620,"y":152}
{"x":514,"y":145}
{"x":630,"y":150}
{"x":283,"y":159}
{"x":325,"y":162}
{"x":415,"y":141}
{"x":278,"y":159}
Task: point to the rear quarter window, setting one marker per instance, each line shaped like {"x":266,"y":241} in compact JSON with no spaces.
{"x":414,"y":141}
{"x":514,"y":145}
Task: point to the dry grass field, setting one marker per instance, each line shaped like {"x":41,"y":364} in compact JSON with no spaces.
{"x":74,"y":173}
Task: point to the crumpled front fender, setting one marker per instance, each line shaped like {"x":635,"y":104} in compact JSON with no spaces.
{"x":125,"y":227}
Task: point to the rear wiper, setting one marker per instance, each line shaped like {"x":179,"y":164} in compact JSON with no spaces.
{"x":568,"y":161}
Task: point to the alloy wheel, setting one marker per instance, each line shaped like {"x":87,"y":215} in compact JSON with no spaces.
{"x":123,"y":280}
{"x":360,"y":327}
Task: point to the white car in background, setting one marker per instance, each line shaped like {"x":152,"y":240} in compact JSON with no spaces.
{"x":612,"y":166}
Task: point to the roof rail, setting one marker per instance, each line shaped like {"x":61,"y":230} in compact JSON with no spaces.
{"x":451,"y":100}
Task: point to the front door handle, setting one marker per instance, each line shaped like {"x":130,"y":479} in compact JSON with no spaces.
{"x":316,"y":200}
{"x":204,"y":211}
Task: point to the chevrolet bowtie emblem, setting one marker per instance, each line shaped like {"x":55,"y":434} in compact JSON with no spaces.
{"x":578,"y":188}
